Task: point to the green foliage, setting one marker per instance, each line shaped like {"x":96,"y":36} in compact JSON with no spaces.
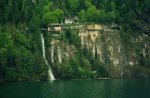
{"x":73,"y":38}
{"x":82,"y":15}
{"x":20,"y":41}
{"x":20,"y":27}
{"x":54,"y":10}
{"x":52,"y":16}
{"x":92,"y":14}
{"x":17,"y":61}
{"x":73,"y":5}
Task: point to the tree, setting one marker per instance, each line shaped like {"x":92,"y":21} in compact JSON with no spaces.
{"x":83,"y":4}
{"x":73,"y":5}
{"x":112,"y":6}
{"x":82,"y":16}
{"x":73,"y":38}
{"x":92,"y":14}
{"x":50,"y":16}
{"x":147,"y":6}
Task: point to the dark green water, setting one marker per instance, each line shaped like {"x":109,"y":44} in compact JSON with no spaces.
{"x":117,"y":88}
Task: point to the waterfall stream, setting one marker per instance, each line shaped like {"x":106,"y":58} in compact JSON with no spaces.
{"x":51,"y":76}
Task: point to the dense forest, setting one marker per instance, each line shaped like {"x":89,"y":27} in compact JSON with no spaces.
{"x":21,"y":22}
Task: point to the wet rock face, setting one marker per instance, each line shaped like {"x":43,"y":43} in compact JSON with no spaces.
{"x":60,"y":51}
{"x":140,"y":50}
{"x":107,"y":47}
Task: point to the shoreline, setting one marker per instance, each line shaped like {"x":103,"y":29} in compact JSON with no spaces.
{"x":67,"y":79}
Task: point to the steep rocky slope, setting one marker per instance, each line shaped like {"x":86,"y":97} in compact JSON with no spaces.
{"x":107,"y":47}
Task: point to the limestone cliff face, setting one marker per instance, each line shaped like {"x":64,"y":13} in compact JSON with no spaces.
{"x":107,"y":46}
{"x":139,"y":53}
{"x":140,"y":48}
{"x":60,"y":51}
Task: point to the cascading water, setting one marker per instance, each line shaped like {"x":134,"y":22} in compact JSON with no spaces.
{"x":51,"y":76}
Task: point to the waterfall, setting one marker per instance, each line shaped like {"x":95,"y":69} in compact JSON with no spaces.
{"x":51,"y":76}
{"x":59,"y":55}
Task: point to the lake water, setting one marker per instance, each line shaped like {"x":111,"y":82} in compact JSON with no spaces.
{"x":113,"y":88}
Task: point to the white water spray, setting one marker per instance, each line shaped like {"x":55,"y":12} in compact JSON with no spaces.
{"x":51,"y":76}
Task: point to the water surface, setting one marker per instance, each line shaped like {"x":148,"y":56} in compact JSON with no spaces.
{"x":117,"y":88}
